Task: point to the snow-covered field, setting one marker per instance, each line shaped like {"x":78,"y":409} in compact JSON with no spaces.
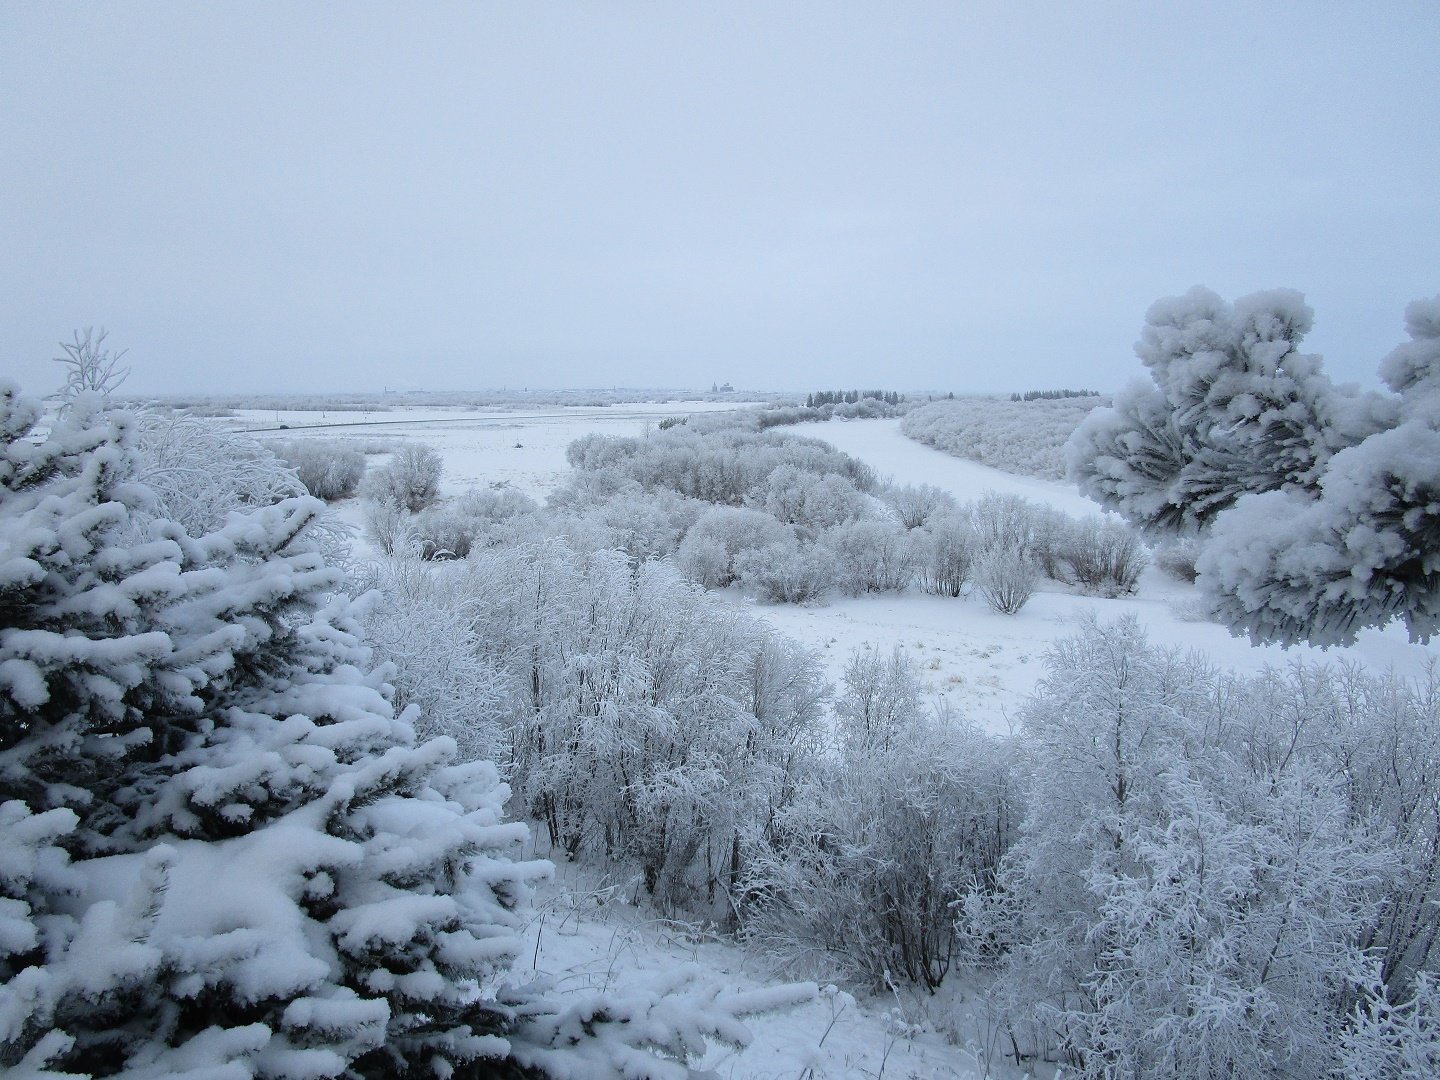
{"x":586,"y":933}
{"x":524,"y":449}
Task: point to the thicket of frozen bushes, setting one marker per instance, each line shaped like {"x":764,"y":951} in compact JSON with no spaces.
{"x":1026,"y":437}
{"x":641,"y":720}
{"x":330,"y":469}
{"x":1166,"y":871}
{"x":1219,"y":876}
{"x":786,"y":518}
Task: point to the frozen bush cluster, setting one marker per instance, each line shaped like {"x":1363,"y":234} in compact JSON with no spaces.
{"x":409,"y":480}
{"x":330,"y":469}
{"x":886,"y":838}
{"x":1023,"y":437}
{"x":1218,"y":875}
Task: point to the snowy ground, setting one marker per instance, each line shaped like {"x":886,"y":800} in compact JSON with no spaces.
{"x":585,"y":931}
{"x":586,"y":934}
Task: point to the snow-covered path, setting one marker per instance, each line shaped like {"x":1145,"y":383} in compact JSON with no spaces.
{"x":880,"y":444}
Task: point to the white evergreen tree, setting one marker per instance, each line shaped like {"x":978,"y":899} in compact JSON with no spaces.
{"x":1319,"y":500}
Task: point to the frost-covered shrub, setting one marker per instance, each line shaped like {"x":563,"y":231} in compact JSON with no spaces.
{"x":787,"y":573}
{"x":881,"y":843}
{"x":915,"y":505}
{"x":390,"y":528}
{"x":1011,"y":522}
{"x":795,"y":497}
{"x":329,"y":468}
{"x":710,"y":551}
{"x":410,"y":479}
{"x":417,"y":620}
{"x":882,"y":700}
{"x":1006,"y":578}
{"x":945,"y":552}
{"x":644,"y":525}
{"x":1103,"y":556}
{"x":449,"y":530}
{"x":870,"y":556}
{"x":1315,"y":503}
{"x":1176,"y":558}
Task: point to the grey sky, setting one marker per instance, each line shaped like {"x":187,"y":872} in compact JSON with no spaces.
{"x":954,"y":196}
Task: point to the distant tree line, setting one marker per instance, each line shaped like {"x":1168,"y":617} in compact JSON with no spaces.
{"x":1052,"y":395}
{"x":850,"y":397}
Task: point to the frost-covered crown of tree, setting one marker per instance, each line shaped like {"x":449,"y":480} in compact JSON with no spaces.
{"x":221,"y":853}
{"x":1318,"y":505}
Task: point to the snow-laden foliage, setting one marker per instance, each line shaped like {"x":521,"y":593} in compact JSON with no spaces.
{"x":1218,"y":877}
{"x":1023,"y":437}
{"x":222,"y":854}
{"x":715,"y":459}
{"x":643,"y":721}
{"x":199,"y":473}
{"x":884,"y":839}
{"x":329,"y":468}
{"x":409,"y":480}
{"x":1320,"y":505}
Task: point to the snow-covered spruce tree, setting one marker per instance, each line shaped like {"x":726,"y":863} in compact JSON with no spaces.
{"x":1320,"y":502}
{"x":221,"y":853}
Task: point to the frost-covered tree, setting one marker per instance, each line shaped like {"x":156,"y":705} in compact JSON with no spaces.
{"x":410,"y":479}
{"x":221,"y":852}
{"x":1203,"y":885}
{"x":1319,"y":502}
{"x":90,"y":368}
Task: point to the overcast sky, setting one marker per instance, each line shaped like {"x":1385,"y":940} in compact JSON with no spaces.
{"x":959,"y":196}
